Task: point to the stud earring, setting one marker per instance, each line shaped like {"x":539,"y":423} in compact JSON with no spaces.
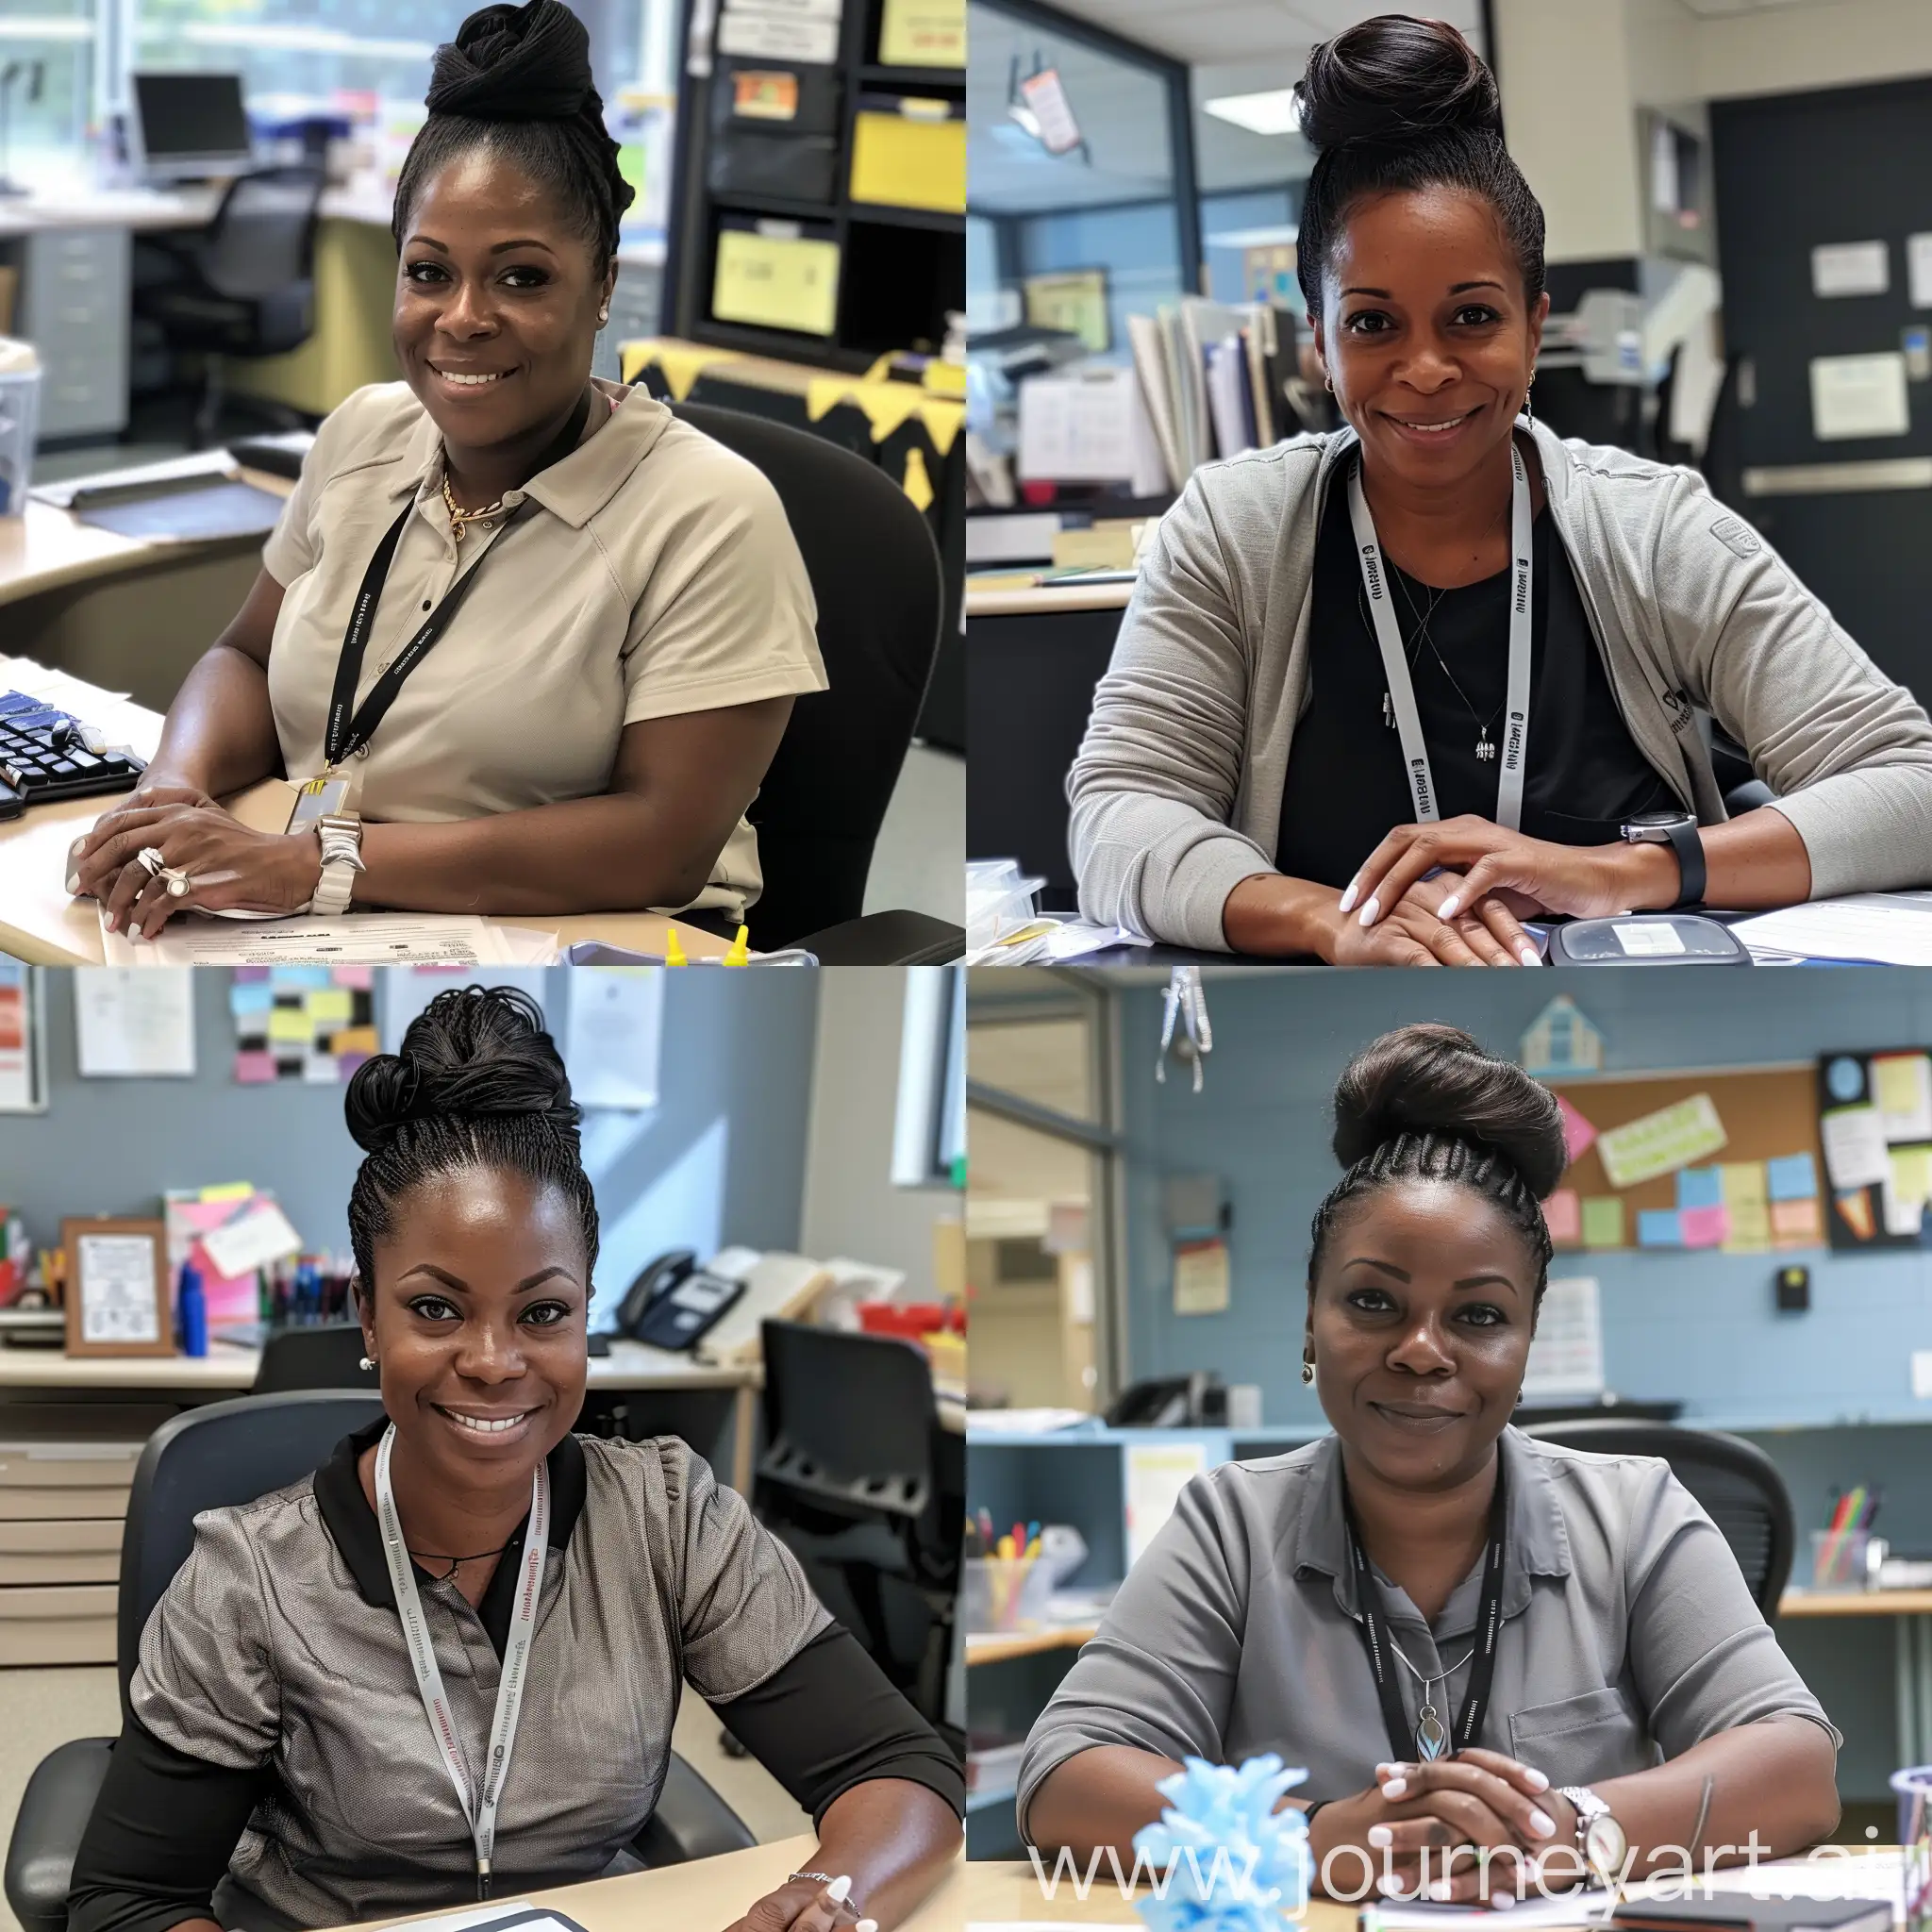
{"x":602,"y":316}
{"x":367,"y":1363}
{"x":1308,"y":1371}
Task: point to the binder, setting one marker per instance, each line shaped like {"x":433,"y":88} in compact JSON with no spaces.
{"x":922,"y":33}
{"x":909,"y":153}
{"x":773,"y":131}
{"x":777,"y":274}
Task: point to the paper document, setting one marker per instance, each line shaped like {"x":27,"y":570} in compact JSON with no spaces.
{"x":259,"y":1233}
{"x":1091,"y":428}
{"x":1859,"y":396}
{"x":134,"y":1024}
{"x":392,"y":939}
{"x":1851,"y":268}
{"x":1672,"y":1136}
{"x":1887,"y":928}
{"x":1854,"y":1150}
{"x":616,"y":1018}
{"x":1567,"y":1355}
{"x":1579,"y":1909}
{"x":1156,"y":1474}
{"x":1919,"y":269}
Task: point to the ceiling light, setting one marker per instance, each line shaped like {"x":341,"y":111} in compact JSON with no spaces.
{"x":1272,"y":112}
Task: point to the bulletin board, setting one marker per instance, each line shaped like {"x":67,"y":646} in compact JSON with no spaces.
{"x":1768,"y":1114}
{"x":1876,"y":1128}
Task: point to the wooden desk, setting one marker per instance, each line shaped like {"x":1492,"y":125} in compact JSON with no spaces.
{"x":710,"y":1893}
{"x":1911,"y":1651}
{"x":1047,"y":600}
{"x":994,"y":1893}
{"x":41,"y":925}
{"x":996,"y":1646}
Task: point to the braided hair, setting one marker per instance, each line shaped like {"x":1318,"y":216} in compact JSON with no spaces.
{"x":1396,"y":104}
{"x":479,"y":1083}
{"x":1426,"y":1102}
{"x":516,"y":80}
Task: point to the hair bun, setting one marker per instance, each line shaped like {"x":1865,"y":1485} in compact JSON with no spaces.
{"x":1430,"y":1078}
{"x":515,"y":63}
{"x":1392,"y":79}
{"x":472,"y":1051}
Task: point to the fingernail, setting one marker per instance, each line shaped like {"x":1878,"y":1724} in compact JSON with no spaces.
{"x":1439,"y":1890}
{"x":1447,"y":908}
{"x":1389,"y":1884}
{"x":1369,"y":911}
{"x":73,"y":882}
{"x":870,"y":1926}
{"x":1504,"y":1901}
{"x":1543,"y":1824}
{"x":1379,"y":1835}
{"x":78,"y":846}
{"x":1535,"y":1779}
{"x":1530,"y":956}
{"x":114,"y":922}
{"x":1395,"y":1787}
{"x":1348,"y":897}
{"x":839,"y":1889}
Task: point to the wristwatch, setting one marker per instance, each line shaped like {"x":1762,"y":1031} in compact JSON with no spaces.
{"x":341,"y":833}
{"x":1678,"y":829}
{"x":1600,"y":1840}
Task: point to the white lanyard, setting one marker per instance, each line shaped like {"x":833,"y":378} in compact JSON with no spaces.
{"x":1415,"y":755}
{"x":479,"y":1809}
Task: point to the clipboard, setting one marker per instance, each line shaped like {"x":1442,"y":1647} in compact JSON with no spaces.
{"x":777,"y":274}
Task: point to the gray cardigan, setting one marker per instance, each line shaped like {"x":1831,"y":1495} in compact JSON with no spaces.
{"x":1176,"y":790}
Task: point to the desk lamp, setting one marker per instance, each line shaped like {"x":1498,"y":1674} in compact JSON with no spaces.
{"x":35,"y":73}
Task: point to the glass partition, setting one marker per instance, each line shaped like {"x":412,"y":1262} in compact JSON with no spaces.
{"x":47,"y":103}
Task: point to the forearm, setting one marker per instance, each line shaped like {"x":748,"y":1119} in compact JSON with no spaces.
{"x":895,"y":1839}
{"x":1100,"y":1797}
{"x":1756,"y":859}
{"x":220,"y":733}
{"x":1271,"y":916}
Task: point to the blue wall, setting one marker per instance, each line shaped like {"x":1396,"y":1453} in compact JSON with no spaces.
{"x":1138,"y":248}
{"x":720,"y":1159}
{"x":1697,"y":1329}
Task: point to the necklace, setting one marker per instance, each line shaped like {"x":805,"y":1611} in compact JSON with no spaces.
{"x":428,"y":1557}
{"x":1431,"y":1734}
{"x":459,"y":521}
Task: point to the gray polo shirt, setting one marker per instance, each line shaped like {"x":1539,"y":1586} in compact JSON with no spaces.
{"x":278,"y":1645}
{"x":1628,"y":1634}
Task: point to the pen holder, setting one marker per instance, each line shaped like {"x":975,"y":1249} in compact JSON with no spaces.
{"x":1005,"y":1593}
{"x":1840,"y":1559}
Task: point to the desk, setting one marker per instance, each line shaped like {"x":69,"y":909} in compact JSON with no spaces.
{"x":994,"y":1891}
{"x":41,"y":925}
{"x":1911,"y":1652}
{"x":997,"y":1647}
{"x":709,"y":1893}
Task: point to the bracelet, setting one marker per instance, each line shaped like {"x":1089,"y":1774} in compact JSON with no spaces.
{"x":823,"y":1878}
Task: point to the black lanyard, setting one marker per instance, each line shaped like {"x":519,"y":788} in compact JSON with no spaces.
{"x":1377,"y":1641}
{"x":348,"y":734}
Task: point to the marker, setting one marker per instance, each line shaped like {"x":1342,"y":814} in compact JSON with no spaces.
{"x":740,"y":953}
{"x":674,"y":953}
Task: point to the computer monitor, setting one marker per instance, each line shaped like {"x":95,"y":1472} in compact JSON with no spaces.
{"x":186,"y":126}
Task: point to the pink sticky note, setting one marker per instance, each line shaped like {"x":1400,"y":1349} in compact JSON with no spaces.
{"x":254,"y":1069}
{"x":346,"y":1064}
{"x":246,"y":975}
{"x":1704,"y":1227}
{"x":356,"y":977}
{"x":1563,"y":1216}
{"x":1578,"y":1132}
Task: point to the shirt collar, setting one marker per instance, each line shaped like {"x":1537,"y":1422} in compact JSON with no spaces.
{"x":352,"y":1527}
{"x":1539,"y":1540}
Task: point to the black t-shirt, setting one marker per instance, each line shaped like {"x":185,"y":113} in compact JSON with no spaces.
{"x":1347,"y":787}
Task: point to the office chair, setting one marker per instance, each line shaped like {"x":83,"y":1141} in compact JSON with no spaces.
{"x":246,"y":287}
{"x":847,"y":1481}
{"x":227,"y":1453}
{"x":1735,"y":1482}
{"x":328,"y":1356}
{"x":875,"y":575}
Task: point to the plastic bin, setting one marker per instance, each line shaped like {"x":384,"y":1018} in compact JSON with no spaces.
{"x":1841,"y":1560}
{"x":1005,"y":1593}
{"x":20,"y":416}
{"x":999,"y":899}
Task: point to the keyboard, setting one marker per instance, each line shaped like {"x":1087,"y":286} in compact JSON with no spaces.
{"x":47,"y":754}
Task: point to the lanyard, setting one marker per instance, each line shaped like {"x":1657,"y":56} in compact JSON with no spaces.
{"x":480,"y":1808}
{"x":1379,"y":1643}
{"x":1415,"y":755}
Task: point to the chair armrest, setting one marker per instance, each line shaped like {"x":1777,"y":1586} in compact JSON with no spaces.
{"x":54,"y":1811}
{"x":692,"y":1821}
{"x":887,"y":938}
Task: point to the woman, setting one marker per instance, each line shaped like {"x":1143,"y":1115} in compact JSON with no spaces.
{"x":279,"y":1749}
{"x":1338,"y":720}
{"x":588,"y":731}
{"x":1630,"y":1672}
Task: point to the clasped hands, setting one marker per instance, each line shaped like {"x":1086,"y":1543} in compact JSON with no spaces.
{"x":1453,"y":1811}
{"x":802,"y":1905}
{"x":229,"y":866}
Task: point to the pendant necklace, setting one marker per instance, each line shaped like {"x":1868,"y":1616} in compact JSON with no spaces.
{"x":1431,"y":1733}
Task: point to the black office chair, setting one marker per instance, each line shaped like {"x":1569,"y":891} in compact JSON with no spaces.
{"x":847,"y":1482}
{"x":246,"y":287}
{"x":875,"y":575}
{"x":327,"y":1357}
{"x":227,"y":1453}
{"x":1735,"y":1482}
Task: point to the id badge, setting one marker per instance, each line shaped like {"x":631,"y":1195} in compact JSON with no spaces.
{"x":316,"y":799}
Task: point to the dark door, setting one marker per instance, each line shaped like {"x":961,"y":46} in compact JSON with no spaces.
{"x":1795,"y":172}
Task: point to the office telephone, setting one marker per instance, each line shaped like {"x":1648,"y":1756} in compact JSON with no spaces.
{"x":673,"y":1304}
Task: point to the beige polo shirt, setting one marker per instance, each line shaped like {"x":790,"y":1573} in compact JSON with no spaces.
{"x":657,"y":575}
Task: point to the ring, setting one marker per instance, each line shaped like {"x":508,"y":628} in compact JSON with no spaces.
{"x":179,"y":882}
{"x":151,"y":861}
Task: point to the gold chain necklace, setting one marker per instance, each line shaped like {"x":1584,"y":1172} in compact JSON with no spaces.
{"x":461,"y":519}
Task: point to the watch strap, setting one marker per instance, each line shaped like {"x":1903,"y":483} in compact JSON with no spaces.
{"x":340,"y":837}
{"x":1688,"y":843}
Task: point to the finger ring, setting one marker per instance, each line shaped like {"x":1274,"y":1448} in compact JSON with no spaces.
{"x":151,"y":861}
{"x":178,"y":881}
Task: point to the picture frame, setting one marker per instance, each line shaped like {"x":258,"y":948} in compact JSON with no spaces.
{"x":117,"y":1301}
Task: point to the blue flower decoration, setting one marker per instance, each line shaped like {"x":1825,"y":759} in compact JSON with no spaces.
{"x":1222,"y":1858}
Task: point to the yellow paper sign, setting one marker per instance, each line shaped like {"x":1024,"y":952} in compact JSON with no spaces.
{"x":330,"y":1004}
{"x":910,"y":158}
{"x":291,"y":1024}
{"x":1661,"y":1142}
{"x":776,"y":282}
{"x":922,"y":33}
{"x":1747,"y":1197}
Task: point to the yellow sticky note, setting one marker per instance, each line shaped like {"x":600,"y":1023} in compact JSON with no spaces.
{"x":1746,"y":1195}
{"x":1603,"y":1222}
{"x":227,"y":1190}
{"x":291,"y":1024}
{"x":776,"y":280}
{"x":1901,"y":1085}
{"x":914,"y":156}
{"x":330,"y":1005}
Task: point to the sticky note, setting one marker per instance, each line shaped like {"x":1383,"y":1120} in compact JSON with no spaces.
{"x":291,"y":1026}
{"x":1603,"y":1222}
{"x":359,"y":1040}
{"x":346,"y":1063}
{"x":1659,"y":1142}
{"x":253,"y":1068}
{"x":1562,"y":1216}
{"x":1855,"y":1210}
{"x":249,"y":998}
{"x":1797,"y":1224}
{"x":1659,"y":1227}
{"x":1704,"y":1227}
{"x":357,"y":979}
{"x":1792,"y":1177}
{"x":331,"y":1005}
{"x":1912,"y":1172}
{"x":318,"y":1068}
{"x":1700,"y":1186}
{"x":251,"y":975}
{"x":1578,"y":1133}
{"x":297,"y":979}
{"x":1748,"y":1202}
{"x":1902,"y":1085}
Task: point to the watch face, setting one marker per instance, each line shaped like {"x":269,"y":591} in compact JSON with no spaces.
{"x":1604,"y":1845}
{"x":1655,"y":821}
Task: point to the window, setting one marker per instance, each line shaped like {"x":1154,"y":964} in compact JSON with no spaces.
{"x":48,"y":106}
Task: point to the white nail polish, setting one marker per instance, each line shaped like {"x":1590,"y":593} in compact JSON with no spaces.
{"x":78,"y":846}
{"x":1447,"y":908}
{"x":1389,"y":1886}
{"x":73,"y":882}
{"x":873,"y":1924}
{"x":1379,"y":1835}
{"x":1439,"y":1890}
{"x":839,"y":1889}
{"x":1504,"y":1901}
{"x":1535,"y":1780}
{"x":1543,"y":1824}
{"x":1348,"y":897}
{"x":1530,"y":956}
{"x":1369,"y":911}
{"x":1395,"y":1787}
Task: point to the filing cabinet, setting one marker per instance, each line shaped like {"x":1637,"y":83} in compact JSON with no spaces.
{"x":75,"y":309}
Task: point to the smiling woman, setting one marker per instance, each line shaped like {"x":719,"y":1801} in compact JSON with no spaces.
{"x":505,"y":1597}
{"x":587,"y":733}
{"x":1557,"y":1649}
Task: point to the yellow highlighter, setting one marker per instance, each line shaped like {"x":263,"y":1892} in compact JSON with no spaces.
{"x":674,"y":953}
{"x":740,"y":953}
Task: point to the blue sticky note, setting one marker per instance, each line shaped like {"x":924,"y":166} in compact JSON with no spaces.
{"x":298,"y":979}
{"x":1700,"y":1186}
{"x":1657,"y":1227}
{"x":249,"y":997}
{"x":1791,"y":1178}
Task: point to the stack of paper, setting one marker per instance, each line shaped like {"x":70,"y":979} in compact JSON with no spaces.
{"x":1884,"y":928}
{"x":357,"y":938}
{"x":1213,"y":375}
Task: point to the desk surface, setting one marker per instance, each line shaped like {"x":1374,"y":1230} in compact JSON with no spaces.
{"x":996,"y":1646}
{"x":1047,"y":600}
{"x":997,"y":1892}
{"x":143,"y":210}
{"x":1856,"y":1603}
